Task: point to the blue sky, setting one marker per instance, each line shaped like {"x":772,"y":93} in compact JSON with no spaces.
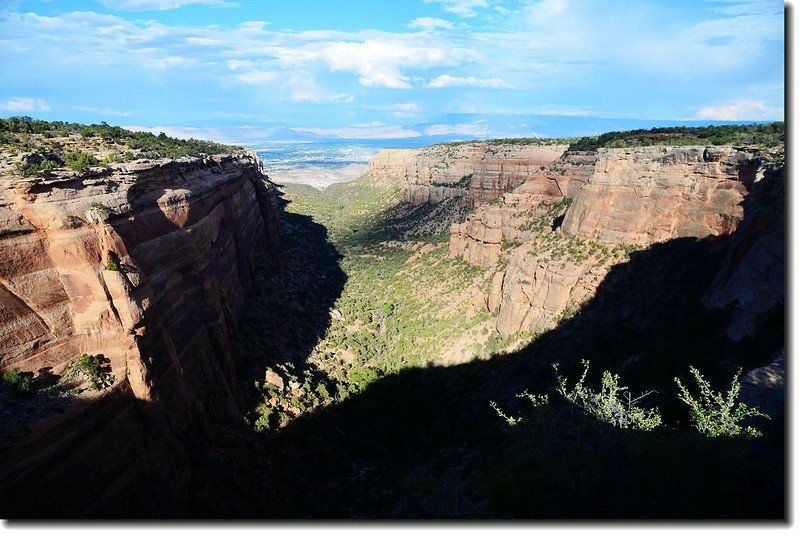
{"x":238,"y":69}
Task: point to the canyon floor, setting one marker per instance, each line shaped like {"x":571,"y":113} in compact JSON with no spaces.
{"x":374,"y":383}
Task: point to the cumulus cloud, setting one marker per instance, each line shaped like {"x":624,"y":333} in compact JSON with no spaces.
{"x":445,"y":80}
{"x":431,"y":23}
{"x":742,"y":110}
{"x":462,"y":8}
{"x":24,"y":104}
{"x":378,"y":62}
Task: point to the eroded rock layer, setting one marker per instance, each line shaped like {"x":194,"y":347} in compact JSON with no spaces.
{"x":148,"y":265}
{"x":569,"y":222}
{"x":473,"y":172}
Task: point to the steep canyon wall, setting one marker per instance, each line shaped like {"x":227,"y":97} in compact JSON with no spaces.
{"x":147,"y":264}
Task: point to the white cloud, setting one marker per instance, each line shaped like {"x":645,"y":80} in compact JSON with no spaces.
{"x":465,"y":129}
{"x":463,"y":8}
{"x":161,"y":5}
{"x":168,"y":62}
{"x":234,"y":64}
{"x":24,"y":104}
{"x":304,"y":88}
{"x":368,"y":131}
{"x":378,"y":62}
{"x":202,"y":41}
{"x":430,"y":23}
{"x":445,"y":80}
{"x":405,"y":109}
{"x":256,"y":77}
{"x":742,"y":110}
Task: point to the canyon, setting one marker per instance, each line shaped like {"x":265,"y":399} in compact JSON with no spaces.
{"x":177,"y":271}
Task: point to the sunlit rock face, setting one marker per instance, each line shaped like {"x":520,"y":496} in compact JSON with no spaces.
{"x":614,"y":198}
{"x":476,"y":173}
{"x":148,"y":264}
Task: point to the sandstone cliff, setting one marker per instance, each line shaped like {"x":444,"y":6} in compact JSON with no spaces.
{"x":473,"y":172}
{"x":147,"y":264}
{"x":559,"y":232}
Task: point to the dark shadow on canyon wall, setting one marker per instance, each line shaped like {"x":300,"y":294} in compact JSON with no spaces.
{"x":425,"y":443}
{"x":288,"y":311}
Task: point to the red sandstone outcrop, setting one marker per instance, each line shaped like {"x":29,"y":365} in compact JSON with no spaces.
{"x":616,"y":198}
{"x":148,"y":264}
{"x":650,"y":194}
{"x":474,"y":172}
{"x":478,"y":239}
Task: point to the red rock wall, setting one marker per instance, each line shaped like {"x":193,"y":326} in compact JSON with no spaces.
{"x":187,"y":236}
{"x":635,"y":196}
{"x":475,"y":172}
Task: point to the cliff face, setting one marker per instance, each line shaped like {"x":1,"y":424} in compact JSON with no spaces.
{"x":563,"y":228}
{"x":651,"y":194}
{"x":148,"y":265}
{"x":473,"y":172}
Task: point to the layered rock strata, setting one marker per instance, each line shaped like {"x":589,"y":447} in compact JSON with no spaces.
{"x":612,"y":201}
{"x":473,"y":172}
{"x":147,"y":264}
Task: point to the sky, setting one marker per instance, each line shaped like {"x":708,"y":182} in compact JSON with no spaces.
{"x":237,"y":70}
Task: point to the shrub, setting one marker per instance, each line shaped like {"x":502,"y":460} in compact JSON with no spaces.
{"x":40,"y":169}
{"x":79,"y":161}
{"x":613,"y":404}
{"x":90,"y":368}
{"x":361,"y":377}
{"x":715,"y":414}
{"x":20,"y":382}
{"x":103,"y":211}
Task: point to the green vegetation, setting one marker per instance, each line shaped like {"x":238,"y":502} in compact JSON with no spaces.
{"x":542,"y":141}
{"x":101,"y":210}
{"x":763,"y":135}
{"x":713,"y":414}
{"x":21,"y":383}
{"x":547,"y":242}
{"x":612,"y":404}
{"x":89,"y":368}
{"x":41,"y":168}
{"x":403,"y":304}
{"x":558,"y":463}
{"x":111,"y":265}
{"x":27,"y":134}
{"x":79,"y":161}
{"x":716,"y":414}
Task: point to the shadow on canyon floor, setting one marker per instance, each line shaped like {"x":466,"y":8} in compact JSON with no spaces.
{"x":425,"y":443}
{"x":296,"y":288}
